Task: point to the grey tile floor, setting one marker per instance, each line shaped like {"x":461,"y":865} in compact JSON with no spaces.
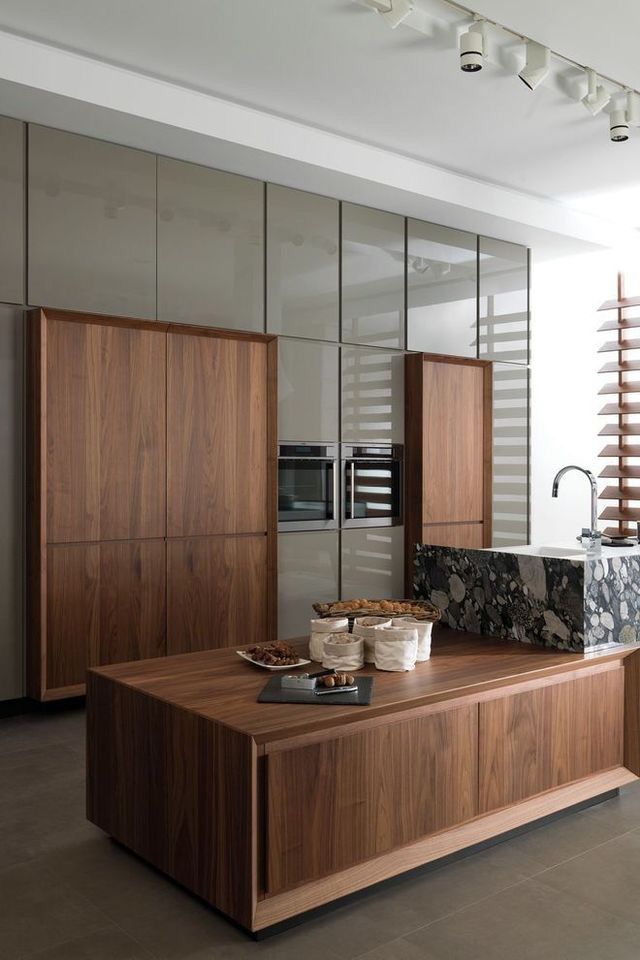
{"x":570,"y":889}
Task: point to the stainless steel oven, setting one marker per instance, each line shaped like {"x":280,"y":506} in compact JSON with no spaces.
{"x":307,"y":486}
{"x":372,"y":485}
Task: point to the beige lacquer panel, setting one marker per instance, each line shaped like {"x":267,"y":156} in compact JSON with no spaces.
{"x":210,"y":247}
{"x":308,"y":391}
{"x":308,"y":573}
{"x":372,"y":395}
{"x":12,"y":207}
{"x":92,"y":225}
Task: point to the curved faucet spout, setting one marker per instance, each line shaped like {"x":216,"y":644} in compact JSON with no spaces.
{"x":594,"y":491}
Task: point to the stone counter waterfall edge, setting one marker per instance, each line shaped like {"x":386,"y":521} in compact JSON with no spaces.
{"x":548,"y":601}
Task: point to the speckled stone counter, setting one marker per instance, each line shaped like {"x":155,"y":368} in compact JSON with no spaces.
{"x":570,"y":603}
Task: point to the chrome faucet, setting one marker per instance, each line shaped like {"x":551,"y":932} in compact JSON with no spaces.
{"x":590,"y":537}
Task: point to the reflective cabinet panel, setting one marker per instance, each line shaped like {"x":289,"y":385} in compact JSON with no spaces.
{"x":11,"y":210}
{"x":372,"y":395}
{"x":308,"y":572}
{"x":302,"y":264}
{"x":441,"y":289}
{"x":372,"y":277}
{"x":504,"y":301}
{"x":510,"y":455}
{"x":373,"y":563}
{"x":210,"y":247}
{"x":308,"y":391}
{"x":92,"y":225}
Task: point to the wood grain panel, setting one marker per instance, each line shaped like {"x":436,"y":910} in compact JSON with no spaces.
{"x":454,"y":534}
{"x":543,"y":738}
{"x":132,"y":624}
{"x":632,"y":712}
{"x":73,"y":611}
{"x":453,"y":457}
{"x":217,"y":436}
{"x":105,"y":398}
{"x":178,"y":790}
{"x":217,"y":592}
{"x":336,"y":803}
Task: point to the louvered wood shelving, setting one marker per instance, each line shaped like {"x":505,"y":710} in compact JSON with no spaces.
{"x":625,"y":495}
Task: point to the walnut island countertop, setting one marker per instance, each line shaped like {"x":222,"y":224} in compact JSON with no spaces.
{"x":270,"y":810}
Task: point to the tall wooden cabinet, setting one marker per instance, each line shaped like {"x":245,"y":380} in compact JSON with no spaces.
{"x":448,"y":443}
{"x":151,"y":479}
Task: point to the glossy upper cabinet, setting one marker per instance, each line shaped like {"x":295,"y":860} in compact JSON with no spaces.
{"x":373,"y":563}
{"x":210,"y":247}
{"x":92,"y":225}
{"x":372,"y":277}
{"x":510,"y":455}
{"x":372,"y":396}
{"x":504,"y":301}
{"x":308,"y":572}
{"x":302,"y":264}
{"x":12,"y":207}
{"x":441,"y":289}
{"x":11,"y":502}
{"x":308,"y":391}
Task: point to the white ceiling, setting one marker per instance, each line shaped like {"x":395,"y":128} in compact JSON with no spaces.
{"x":335,"y":65}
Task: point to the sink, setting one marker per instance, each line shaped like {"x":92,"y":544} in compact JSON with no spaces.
{"x":560,"y":553}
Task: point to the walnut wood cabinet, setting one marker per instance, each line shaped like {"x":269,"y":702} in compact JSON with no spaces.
{"x":448,"y":435}
{"x":151,"y":483}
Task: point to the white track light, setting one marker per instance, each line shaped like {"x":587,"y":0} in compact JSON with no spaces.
{"x":633,"y":109}
{"x":472,"y":49}
{"x":618,"y":126}
{"x":399,"y":11}
{"x":537,"y":65}
{"x":596,"y":97}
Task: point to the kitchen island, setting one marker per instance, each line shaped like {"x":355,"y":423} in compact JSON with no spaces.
{"x":267,"y":811}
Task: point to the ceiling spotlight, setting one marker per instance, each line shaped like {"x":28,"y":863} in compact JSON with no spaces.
{"x":618,"y":126}
{"x":537,"y":65}
{"x":472,"y":49}
{"x":597,"y":97}
{"x":398,"y":11}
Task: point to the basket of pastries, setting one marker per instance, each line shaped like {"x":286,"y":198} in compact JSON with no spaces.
{"x":362,"y":607}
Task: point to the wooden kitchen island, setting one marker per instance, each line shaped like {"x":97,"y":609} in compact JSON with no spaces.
{"x":270,"y":810}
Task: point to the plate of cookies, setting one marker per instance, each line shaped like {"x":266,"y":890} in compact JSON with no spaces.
{"x":273,"y":656}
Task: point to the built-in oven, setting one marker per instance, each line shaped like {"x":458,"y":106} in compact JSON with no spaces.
{"x":307,"y":486}
{"x":372,"y":485}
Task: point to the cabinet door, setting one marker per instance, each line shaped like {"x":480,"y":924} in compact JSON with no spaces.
{"x":308,"y":391}
{"x":441,"y":289}
{"x":372,"y":287}
{"x":12,"y":207}
{"x":105,"y":432}
{"x":105,"y":604}
{"x":308,"y":572}
{"x":217,"y":593}
{"x":454,"y":534}
{"x":511,"y":455}
{"x":216,"y":436}
{"x":372,"y":396}
{"x":454,"y":415}
{"x":92,"y":225}
{"x":373,"y":563}
{"x":210,"y":247}
{"x":504,"y":301}
{"x":302,"y":264}
{"x":543,"y":738}
{"x":368,"y":793}
{"x":11,"y":502}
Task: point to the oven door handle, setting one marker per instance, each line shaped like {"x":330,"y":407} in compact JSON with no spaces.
{"x":350,"y":511}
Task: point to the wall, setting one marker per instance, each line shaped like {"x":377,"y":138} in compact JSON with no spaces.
{"x":566,"y":294}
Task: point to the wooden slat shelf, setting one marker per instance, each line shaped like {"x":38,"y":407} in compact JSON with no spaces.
{"x":628,"y":430}
{"x":619,"y":493}
{"x":619,"y":409}
{"x":619,"y":532}
{"x":616,"y":513}
{"x":620,"y":367}
{"x":615,"y":472}
{"x":620,"y":452}
{"x":629,"y":323}
{"x":622,"y":388}
{"x":615,"y":346}
{"x":620,"y":304}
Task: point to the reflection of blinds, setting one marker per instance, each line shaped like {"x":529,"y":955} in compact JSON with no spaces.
{"x":623,"y":426}
{"x":510,"y":455}
{"x":503,"y":335}
{"x":367,"y":400}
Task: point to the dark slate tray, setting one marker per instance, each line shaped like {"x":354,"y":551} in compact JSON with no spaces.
{"x":273,"y":693}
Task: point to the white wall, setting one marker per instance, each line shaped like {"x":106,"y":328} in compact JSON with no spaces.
{"x":566,"y":294}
